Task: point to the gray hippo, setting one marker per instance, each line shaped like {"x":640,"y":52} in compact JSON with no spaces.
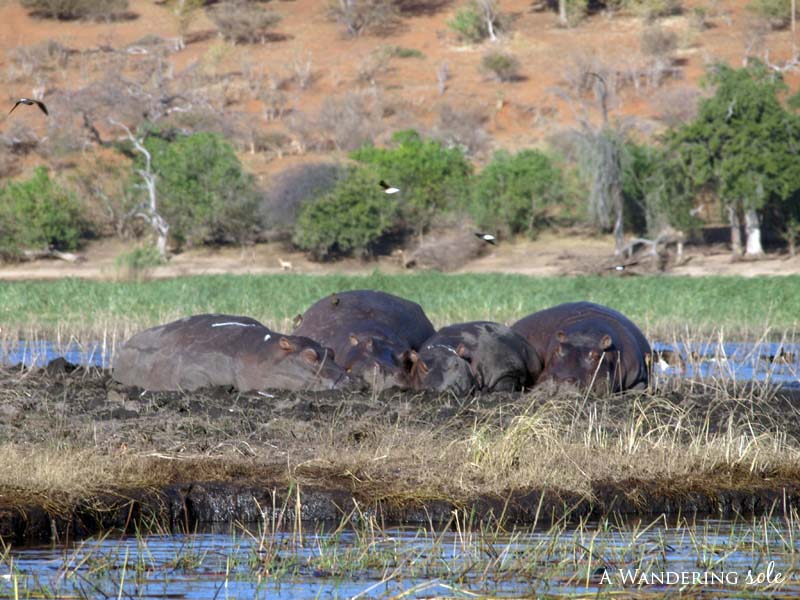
{"x":480,"y":356}
{"x":214,"y":349}
{"x":371,"y":333}
{"x":588,"y":344}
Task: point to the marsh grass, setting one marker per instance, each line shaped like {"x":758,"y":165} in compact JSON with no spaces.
{"x":743,"y":308}
{"x":361,"y":557}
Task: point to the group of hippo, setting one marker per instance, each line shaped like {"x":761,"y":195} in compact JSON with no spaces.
{"x":364,"y":338}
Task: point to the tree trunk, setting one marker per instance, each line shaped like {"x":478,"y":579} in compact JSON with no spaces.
{"x":752,"y":227}
{"x":619,"y":234}
{"x":562,"y":13}
{"x":736,"y":233}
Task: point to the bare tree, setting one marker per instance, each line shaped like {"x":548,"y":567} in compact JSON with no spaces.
{"x":148,"y":210}
{"x":490,"y":15}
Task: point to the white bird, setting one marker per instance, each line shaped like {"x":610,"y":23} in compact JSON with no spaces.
{"x":388,"y":189}
{"x":29,"y":102}
{"x":487,"y":237}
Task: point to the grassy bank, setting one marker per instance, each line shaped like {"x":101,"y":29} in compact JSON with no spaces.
{"x":662,"y":306}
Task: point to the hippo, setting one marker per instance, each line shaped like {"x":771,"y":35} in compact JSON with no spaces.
{"x":215,"y":349}
{"x":480,"y":356}
{"x":371,"y":333}
{"x":588,"y":344}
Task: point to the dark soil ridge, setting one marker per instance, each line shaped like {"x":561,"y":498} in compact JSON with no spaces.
{"x":193,"y":506}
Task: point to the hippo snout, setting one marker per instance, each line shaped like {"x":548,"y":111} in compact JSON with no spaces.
{"x":346,"y":383}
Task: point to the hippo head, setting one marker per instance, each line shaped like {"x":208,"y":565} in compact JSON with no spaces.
{"x":380,"y":362}
{"x":295,"y":362}
{"x":441,"y":368}
{"x":585,"y":360}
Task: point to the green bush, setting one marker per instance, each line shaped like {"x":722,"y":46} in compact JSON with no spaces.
{"x":203,"y":192}
{"x":500,"y":65}
{"x":513,"y":192}
{"x":36,"y":214}
{"x":470,"y":25}
{"x":431,"y":177}
{"x":77,"y":9}
{"x":777,"y":13}
{"x":137,"y":264}
{"x":350,"y":219}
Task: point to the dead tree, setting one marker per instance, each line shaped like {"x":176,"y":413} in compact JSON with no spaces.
{"x":148,"y":210}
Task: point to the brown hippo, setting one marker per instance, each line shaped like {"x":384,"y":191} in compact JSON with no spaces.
{"x":480,"y":356}
{"x":371,"y":333}
{"x":588,"y":344}
{"x":208,"y":350}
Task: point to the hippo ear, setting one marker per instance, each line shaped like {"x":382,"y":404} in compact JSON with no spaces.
{"x":605,"y":343}
{"x":310,"y":356}
{"x":413,"y":356}
{"x":463,"y":353}
{"x":406,"y":359}
{"x":562,"y":337}
{"x":285,"y":344}
{"x":353,"y":339}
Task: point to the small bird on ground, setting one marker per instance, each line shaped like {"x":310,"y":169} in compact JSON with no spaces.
{"x":388,"y":189}
{"x":487,"y":237}
{"x":29,"y":102}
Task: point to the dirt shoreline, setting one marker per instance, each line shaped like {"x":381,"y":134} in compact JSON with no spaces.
{"x":179,"y":461}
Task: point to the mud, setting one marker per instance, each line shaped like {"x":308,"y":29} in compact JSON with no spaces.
{"x":230,"y":452}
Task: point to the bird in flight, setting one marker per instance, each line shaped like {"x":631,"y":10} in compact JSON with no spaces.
{"x":29,"y":102}
{"x":487,"y":237}
{"x":388,"y":189}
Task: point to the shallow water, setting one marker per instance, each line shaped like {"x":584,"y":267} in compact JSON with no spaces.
{"x":397,"y":561}
{"x":766,"y":362}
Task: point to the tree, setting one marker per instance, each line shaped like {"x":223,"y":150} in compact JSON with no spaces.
{"x":148,"y":210}
{"x":431,"y":177}
{"x":744,"y":145}
{"x":513,"y":191}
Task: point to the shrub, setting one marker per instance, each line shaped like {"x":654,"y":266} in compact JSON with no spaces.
{"x":650,"y":10}
{"x":293,"y":187}
{"x":362,"y":16}
{"x":776,"y":13}
{"x":242,"y":21}
{"x":471,"y":23}
{"x":462,"y":129}
{"x":77,"y":9}
{"x":658,"y":42}
{"x":137,"y":264}
{"x":38,"y":214}
{"x":500,"y":65}
{"x":514,"y":191}
{"x":431,"y":178}
{"x":352,"y":218}
{"x":349,"y":121}
{"x":203,"y":193}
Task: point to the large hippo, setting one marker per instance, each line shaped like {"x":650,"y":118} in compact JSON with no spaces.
{"x":480,"y":356}
{"x":214,"y":349}
{"x":371,"y":333}
{"x":588,"y":344}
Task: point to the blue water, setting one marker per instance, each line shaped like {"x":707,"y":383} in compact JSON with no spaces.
{"x":410,"y":562}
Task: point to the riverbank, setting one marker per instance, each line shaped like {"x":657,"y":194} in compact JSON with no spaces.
{"x":82,"y":453}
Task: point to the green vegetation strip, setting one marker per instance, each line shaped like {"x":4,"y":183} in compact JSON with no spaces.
{"x":740,"y":307}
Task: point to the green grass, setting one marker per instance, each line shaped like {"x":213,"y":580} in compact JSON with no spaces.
{"x":741,"y":307}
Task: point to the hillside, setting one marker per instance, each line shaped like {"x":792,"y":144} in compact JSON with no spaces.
{"x":308,"y":91}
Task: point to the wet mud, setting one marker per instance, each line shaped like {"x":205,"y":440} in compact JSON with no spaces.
{"x":221,"y":432}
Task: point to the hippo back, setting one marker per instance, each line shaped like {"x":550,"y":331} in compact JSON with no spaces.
{"x":366,"y":328}
{"x":224,"y":350}
{"x":584,"y":319}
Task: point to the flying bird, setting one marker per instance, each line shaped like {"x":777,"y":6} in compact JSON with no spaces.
{"x":388,"y":189}
{"x":29,"y":102}
{"x":487,"y":237}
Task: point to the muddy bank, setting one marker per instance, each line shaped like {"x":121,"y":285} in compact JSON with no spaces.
{"x":177,"y":461}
